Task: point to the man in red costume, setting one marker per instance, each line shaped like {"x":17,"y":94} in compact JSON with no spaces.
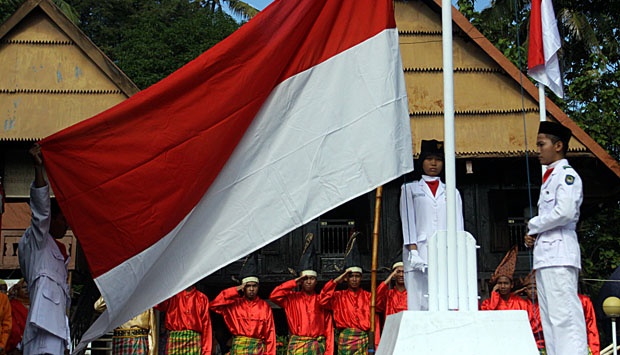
{"x":531,"y":297}
{"x":6,"y":320}
{"x":393,"y":300}
{"x":351,"y":307}
{"x":310,"y":325}
{"x":594,"y":342}
{"x":187,"y":318}
{"x":249,"y":318}
{"x":20,"y":302}
{"x":502,"y":297}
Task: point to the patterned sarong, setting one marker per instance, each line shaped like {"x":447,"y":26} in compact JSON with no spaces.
{"x":352,"y":342}
{"x":130,"y":344}
{"x":242,"y":345}
{"x":298,"y":345}
{"x":183,"y":342}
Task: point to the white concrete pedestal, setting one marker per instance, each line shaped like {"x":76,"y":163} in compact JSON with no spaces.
{"x":463,"y":333}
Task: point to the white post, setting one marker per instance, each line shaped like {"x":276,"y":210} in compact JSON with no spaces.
{"x":433,"y":275}
{"x":613,"y":335}
{"x":449,"y":145}
{"x":443,"y":282}
{"x":472,"y":272}
{"x":461,"y":271}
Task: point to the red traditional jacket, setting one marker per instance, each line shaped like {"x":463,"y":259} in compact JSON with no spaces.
{"x":497,"y":303}
{"x":594,"y":342}
{"x":189,"y":310}
{"x":390,"y":300}
{"x":350,"y":309}
{"x":19,"y":313}
{"x":243,"y":317}
{"x":304,"y":315}
{"x":536,"y":324}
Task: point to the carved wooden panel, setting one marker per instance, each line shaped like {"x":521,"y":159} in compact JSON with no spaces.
{"x":10,"y":239}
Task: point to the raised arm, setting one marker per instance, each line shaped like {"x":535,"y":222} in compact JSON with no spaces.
{"x":280,"y":293}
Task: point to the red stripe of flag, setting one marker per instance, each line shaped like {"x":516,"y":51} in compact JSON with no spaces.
{"x":536,"y":53}
{"x":126,"y":177}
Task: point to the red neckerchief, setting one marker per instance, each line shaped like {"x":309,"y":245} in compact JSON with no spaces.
{"x":547,"y":173}
{"x":433,"y":184}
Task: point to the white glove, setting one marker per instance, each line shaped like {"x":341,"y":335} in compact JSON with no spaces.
{"x":416,"y":262}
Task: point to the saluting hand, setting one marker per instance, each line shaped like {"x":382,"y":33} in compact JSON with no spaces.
{"x":301,"y":279}
{"x":392,"y":275}
{"x":241,"y":287}
{"x":340,"y":278}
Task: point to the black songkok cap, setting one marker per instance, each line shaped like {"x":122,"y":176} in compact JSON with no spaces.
{"x":432,"y":147}
{"x":555,"y":129}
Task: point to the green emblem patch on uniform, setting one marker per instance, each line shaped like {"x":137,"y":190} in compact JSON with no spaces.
{"x":569,"y":179}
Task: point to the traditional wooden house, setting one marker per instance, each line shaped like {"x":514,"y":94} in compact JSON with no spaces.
{"x":52,"y":76}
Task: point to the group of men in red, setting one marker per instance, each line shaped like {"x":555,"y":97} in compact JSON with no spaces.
{"x":311,"y":316}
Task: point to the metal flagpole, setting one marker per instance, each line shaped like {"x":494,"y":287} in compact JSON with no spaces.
{"x":449,"y":147}
{"x":373,"y":272}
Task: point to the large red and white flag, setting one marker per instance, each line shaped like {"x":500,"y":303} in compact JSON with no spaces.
{"x":544,"y":44}
{"x":299,"y":111}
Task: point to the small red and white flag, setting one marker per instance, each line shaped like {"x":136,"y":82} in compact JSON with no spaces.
{"x":545,"y":42}
{"x":300,"y":110}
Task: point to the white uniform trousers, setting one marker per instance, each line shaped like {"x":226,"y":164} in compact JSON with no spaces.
{"x":561,"y":312}
{"x":45,"y":343}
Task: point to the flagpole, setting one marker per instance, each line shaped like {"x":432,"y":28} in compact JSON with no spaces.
{"x":373,"y":272}
{"x":542,"y":104}
{"x":542,"y":108}
{"x":449,"y":147}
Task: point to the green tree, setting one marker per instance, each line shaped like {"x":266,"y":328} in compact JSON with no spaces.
{"x":589,"y":57}
{"x":237,"y":7}
{"x":8,"y":7}
{"x":149,"y":39}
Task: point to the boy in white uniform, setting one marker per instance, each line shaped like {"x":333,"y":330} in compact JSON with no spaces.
{"x":557,"y":258}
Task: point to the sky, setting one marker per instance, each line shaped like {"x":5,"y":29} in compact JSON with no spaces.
{"x":261,"y":4}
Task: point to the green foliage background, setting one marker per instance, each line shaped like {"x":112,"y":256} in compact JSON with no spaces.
{"x":149,"y":39}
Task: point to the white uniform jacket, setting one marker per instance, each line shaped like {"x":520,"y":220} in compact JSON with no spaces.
{"x":45,"y":269}
{"x":558,"y":213}
{"x":422,"y":214}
